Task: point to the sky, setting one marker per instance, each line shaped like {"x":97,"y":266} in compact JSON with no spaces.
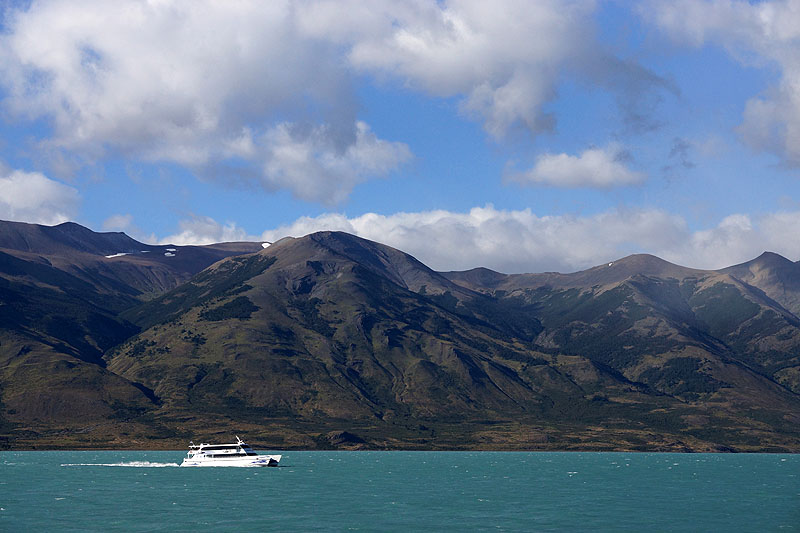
{"x":517,"y":135}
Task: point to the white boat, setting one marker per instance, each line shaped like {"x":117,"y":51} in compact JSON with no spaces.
{"x":239,"y":454}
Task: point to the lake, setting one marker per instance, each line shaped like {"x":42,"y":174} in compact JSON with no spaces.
{"x":402,"y":491}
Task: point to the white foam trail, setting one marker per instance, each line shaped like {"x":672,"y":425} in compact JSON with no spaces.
{"x":132,"y":464}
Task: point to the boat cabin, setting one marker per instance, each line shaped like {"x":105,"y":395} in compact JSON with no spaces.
{"x":240,"y":449}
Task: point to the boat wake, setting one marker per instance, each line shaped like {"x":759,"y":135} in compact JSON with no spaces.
{"x":131,"y":464}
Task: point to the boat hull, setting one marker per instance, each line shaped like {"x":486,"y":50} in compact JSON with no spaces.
{"x":257,"y":461}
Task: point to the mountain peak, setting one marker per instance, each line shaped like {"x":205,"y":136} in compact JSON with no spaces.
{"x":627,"y":267}
{"x":771,"y":259}
{"x":643,"y":264}
{"x":767,"y":261}
{"x":477,"y":278}
{"x":64,"y":237}
{"x":777,"y":276}
{"x":73,"y":226}
{"x":397,"y":266}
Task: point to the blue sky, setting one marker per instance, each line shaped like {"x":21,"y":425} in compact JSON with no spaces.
{"x":517,"y":135}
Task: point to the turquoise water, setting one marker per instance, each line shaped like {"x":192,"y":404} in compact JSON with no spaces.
{"x":402,"y":491}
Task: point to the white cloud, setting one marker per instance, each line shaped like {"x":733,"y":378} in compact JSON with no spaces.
{"x":263,"y":91}
{"x":738,"y":238}
{"x":521,"y":241}
{"x":308,"y":162}
{"x":507,"y":241}
{"x":190,"y":82}
{"x":32,"y":197}
{"x":118,"y":222}
{"x":126,"y":224}
{"x":206,"y":230}
{"x":595,"y":167}
{"x":756,"y":34}
{"x":502,"y":58}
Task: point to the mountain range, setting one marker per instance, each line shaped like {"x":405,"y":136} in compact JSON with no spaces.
{"x":333,"y":341}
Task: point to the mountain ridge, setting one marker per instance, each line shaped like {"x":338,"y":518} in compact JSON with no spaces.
{"x":113,"y":257}
{"x":330,"y":332}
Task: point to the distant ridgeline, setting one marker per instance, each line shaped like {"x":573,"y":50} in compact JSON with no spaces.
{"x":332,"y":341}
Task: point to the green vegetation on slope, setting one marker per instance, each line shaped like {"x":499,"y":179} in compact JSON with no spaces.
{"x":240,"y":307}
{"x":228,"y":278}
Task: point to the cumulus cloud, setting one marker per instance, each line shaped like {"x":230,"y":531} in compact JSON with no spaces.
{"x":756,"y":34}
{"x":32,"y":197}
{"x":263,"y":92}
{"x":521,"y":241}
{"x":190,"y":82}
{"x":503,"y":60}
{"x":306,"y":161}
{"x":206,"y":230}
{"x":595,"y":167}
{"x":507,"y":241}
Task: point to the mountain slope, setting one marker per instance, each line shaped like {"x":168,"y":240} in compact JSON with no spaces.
{"x":328,"y":330}
{"x":312,"y":337}
{"x":350,"y":327}
{"x":624,"y":310}
{"x":63,"y":239}
{"x":112,"y":262}
{"x":778,"y":277}
{"x":59,"y":302}
{"x":54,"y":330}
{"x":485,"y":280}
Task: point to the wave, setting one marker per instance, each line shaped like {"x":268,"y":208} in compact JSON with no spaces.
{"x":131,"y":464}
